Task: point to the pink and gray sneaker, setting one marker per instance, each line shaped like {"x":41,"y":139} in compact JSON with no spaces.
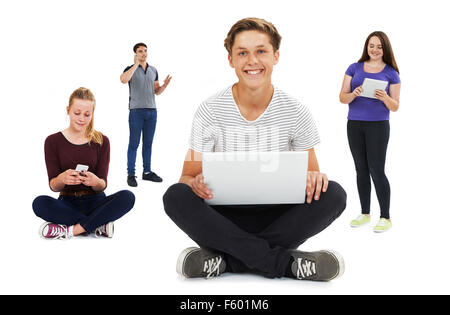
{"x":106,"y":230}
{"x":54,"y":231}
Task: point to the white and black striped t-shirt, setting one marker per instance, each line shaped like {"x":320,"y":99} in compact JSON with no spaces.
{"x":286,"y":125}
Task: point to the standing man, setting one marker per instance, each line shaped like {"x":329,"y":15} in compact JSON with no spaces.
{"x":143,"y":82}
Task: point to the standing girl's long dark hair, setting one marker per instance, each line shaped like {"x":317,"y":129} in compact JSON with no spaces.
{"x":388,"y":54}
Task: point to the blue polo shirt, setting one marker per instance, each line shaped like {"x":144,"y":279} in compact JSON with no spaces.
{"x":142,"y":91}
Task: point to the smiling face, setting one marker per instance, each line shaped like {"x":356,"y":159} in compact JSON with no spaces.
{"x":253,"y":57}
{"x":80,"y":113}
{"x":375,"y":49}
{"x":141,"y":52}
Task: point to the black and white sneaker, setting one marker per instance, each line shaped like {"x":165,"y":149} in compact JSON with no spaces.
{"x":323,"y":265}
{"x":196,"y":262}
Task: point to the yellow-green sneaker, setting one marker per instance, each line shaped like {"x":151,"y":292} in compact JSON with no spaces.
{"x":382,"y":226}
{"x":360,"y":220}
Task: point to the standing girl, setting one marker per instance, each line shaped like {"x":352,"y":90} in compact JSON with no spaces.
{"x":368,"y":123}
{"x":82,"y":206}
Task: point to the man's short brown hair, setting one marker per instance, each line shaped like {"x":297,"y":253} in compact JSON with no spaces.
{"x":135,"y":48}
{"x":253,"y":24}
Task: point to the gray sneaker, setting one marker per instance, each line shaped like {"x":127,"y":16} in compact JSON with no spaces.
{"x":196,"y":262}
{"x":323,"y":265}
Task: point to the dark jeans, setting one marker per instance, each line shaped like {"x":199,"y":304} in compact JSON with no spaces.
{"x":368,"y":142}
{"x":141,"y":120}
{"x":252,"y":238}
{"x":91,"y":211}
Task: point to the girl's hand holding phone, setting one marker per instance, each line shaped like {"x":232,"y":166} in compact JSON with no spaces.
{"x":89,"y":179}
{"x":70,"y":177}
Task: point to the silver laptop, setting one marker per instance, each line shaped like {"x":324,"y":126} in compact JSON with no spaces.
{"x":250,"y":178}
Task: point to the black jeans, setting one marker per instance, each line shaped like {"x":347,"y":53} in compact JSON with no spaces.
{"x":368,"y":142}
{"x":91,"y":211}
{"x":253,"y":238}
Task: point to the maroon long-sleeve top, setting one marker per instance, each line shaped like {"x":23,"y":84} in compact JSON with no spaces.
{"x":61,"y":155}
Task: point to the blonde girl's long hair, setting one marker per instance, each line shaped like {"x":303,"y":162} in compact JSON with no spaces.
{"x":85,"y":94}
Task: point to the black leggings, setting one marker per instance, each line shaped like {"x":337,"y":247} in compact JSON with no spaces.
{"x":368,"y":142}
{"x":253,"y":238}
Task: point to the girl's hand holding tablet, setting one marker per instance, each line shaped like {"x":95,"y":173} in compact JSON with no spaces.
{"x":381,"y":95}
{"x":357,"y":91}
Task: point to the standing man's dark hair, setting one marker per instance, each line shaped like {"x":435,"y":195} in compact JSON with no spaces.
{"x":143,"y":83}
{"x":138,"y":45}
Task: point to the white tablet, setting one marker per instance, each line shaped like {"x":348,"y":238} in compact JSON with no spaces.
{"x":369,"y":87}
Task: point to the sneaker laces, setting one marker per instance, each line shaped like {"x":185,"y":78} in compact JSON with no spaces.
{"x":101,"y":230}
{"x":382,"y":222}
{"x":305,"y":268}
{"x":211,"y":267}
{"x":58,"y":231}
{"x":361,"y":217}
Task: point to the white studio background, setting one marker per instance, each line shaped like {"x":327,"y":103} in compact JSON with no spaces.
{"x":50,"y":48}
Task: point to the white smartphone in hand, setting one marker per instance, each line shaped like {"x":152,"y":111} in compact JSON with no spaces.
{"x":81,"y":167}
